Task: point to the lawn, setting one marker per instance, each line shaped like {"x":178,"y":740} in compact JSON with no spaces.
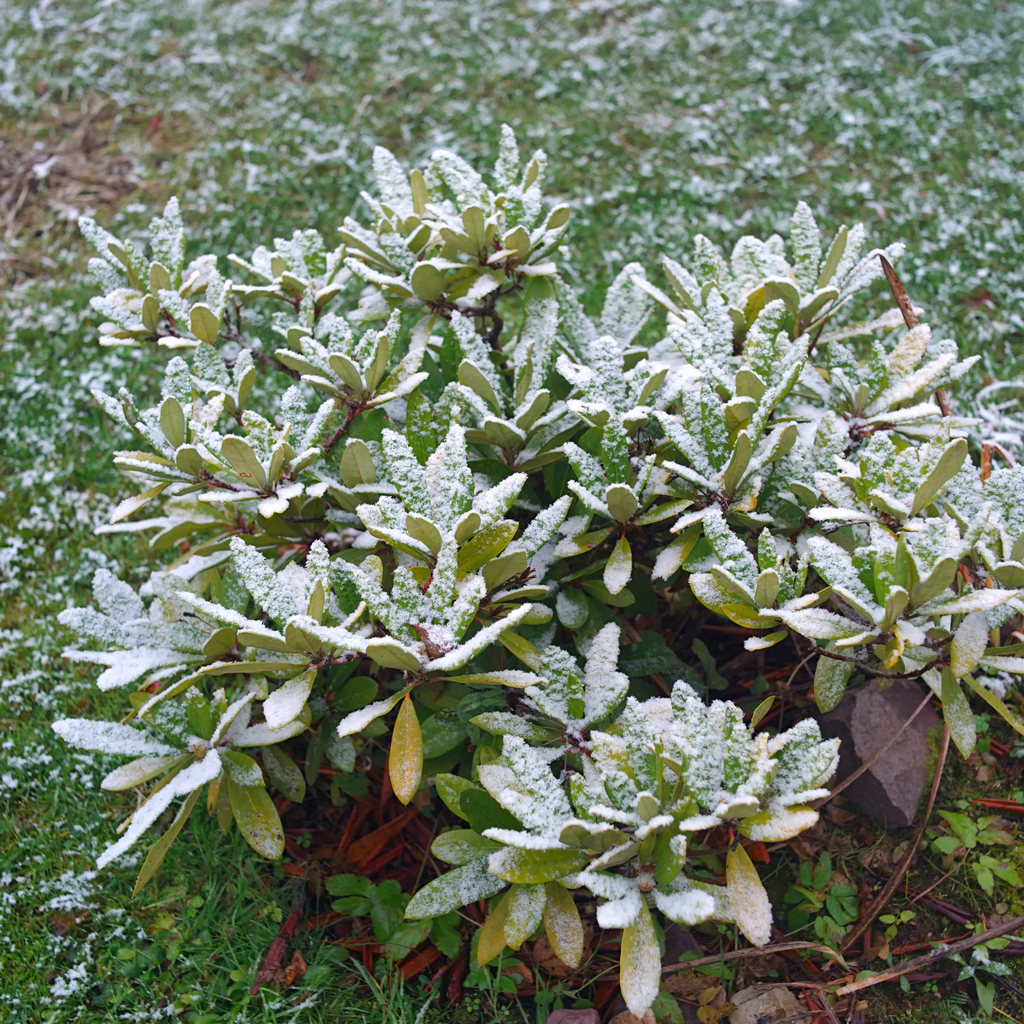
{"x":660,"y":120}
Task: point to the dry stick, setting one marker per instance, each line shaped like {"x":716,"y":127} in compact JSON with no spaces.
{"x":899,"y":872}
{"x":853,"y":776}
{"x":751,"y":953}
{"x":899,"y":293}
{"x":928,"y":959}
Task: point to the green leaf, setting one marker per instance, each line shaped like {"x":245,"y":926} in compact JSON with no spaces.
{"x":357,"y":464}
{"x":284,"y":773}
{"x":405,"y":755}
{"x":159,"y":849}
{"x":204,"y":323}
{"x":486,"y":545}
{"x":529,"y":866}
{"x":389,"y":653}
{"x":621,"y":501}
{"x":172,"y":421}
{"x":525,"y":913}
{"x":956,"y":711}
{"x":830,"y":679}
{"x":619,"y":567}
{"x":355,"y":694}
{"x":461,"y":846}
{"x":257,"y":818}
{"x":450,"y":789}
{"x":760,"y":711}
{"x":427,"y":282}
{"x":243,"y":461}
{"x":995,"y":703}
{"x":946,"y":468}
{"x":482,"y":811}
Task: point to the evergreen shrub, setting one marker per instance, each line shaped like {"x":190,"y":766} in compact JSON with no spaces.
{"x":416,"y":495}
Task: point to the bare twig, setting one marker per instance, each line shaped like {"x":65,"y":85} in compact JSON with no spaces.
{"x":892,"y":973}
{"x":751,"y":953}
{"x":881,"y":901}
{"x":899,"y":293}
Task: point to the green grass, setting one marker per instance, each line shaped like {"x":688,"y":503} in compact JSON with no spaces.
{"x":660,"y":120}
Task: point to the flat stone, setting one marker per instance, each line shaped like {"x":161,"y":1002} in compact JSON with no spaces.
{"x":574,"y":1017}
{"x":631,"y":1018}
{"x":763,"y":1006}
{"x":866,"y":720}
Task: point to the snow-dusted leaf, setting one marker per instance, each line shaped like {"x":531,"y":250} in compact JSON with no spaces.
{"x":195,"y":775}
{"x":405,"y":756}
{"x":111,"y":738}
{"x":749,"y":901}
{"x":640,"y":963}
{"x":455,"y":889}
{"x":288,"y":700}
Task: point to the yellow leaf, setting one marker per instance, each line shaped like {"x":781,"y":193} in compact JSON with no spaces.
{"x":749,"y":901}
{"x":492,"y":933}
{"x":640,"y":963}
{"x":562,"y":924}
{"x":405,"y":761}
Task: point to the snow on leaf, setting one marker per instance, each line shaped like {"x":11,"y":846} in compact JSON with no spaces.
{"x":359,"y":720}
{"x":126,"y":667}
{"x":969,"y":644}
{"x":194,"y":776}
{"x":639,"y":962}
{"x":287,"y":701}
{"x":110,"y":738}
{"x":455,"y":889}
{"x":478,"y":642}
{"x":688,"y":908}
{"x":819,"y":623}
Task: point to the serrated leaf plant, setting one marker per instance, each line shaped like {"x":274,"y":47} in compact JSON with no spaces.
{"x":410,"y":497}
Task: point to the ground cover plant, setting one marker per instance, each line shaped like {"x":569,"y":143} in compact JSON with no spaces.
{"x":738,"y":180}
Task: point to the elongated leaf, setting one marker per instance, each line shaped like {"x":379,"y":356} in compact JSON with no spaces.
{"x":286,"y":702}
{"x":525,"y":913}
{"x":957,"y":714}
{"x":619,"y":567}
{"x":830,"y":679}
{"x":525,"y":866}
{"x":284,"y":773}
{"x":405,"y":756}
{"x":640,"y":963}
{"x":455,"y":889}
{"x":491,"y":939}
{"x":257,"y":818}
{"x":747,"y":897}
{"x":563,"y":925}
{"x":996,"y":703}
{"x":159,"y":849}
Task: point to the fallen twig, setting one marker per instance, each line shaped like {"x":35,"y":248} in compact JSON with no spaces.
{"x":928,"y":959}
{"x":752,"y":952}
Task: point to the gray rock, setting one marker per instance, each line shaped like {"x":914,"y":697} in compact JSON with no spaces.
{"x":574,"y":1017}
{"x":866,"y":720}
{"x":763,"y":1006}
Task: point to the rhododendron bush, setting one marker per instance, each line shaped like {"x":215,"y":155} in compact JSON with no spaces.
{"x":419,"y":505}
